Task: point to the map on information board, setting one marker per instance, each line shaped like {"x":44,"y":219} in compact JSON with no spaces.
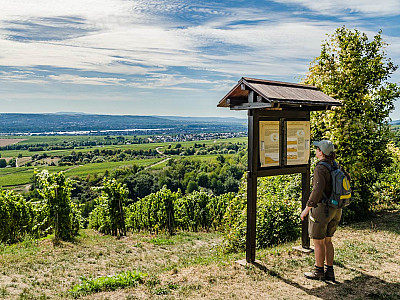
{"x":269,"y":143}
{"x":298,"y":142}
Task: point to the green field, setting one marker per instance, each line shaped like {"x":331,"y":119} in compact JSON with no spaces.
{"x":59,"y":140}
{"x":11,"y":177}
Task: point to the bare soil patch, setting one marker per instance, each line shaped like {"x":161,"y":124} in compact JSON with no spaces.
{"x":6,"y":142}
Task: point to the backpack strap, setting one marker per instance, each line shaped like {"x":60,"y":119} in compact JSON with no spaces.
{"x":330,"y":168}
{"x":325,"y":164}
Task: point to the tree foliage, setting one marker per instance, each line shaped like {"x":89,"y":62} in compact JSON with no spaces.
{"x":356,"y":70}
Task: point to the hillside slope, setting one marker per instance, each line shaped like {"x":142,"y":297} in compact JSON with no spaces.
{"x":188,"y":266}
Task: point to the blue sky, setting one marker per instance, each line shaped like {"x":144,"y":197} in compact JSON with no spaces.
{"x":177,"y":57}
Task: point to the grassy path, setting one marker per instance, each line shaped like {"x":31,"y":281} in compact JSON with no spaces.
{"x":188,"y":266}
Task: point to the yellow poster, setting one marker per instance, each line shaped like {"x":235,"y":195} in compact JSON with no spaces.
{"x":269,"y":143}
{"x":298,"y":142}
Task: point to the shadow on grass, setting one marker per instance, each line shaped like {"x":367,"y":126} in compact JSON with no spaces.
{"x":382,"y":221}
{"x":363,"y":286}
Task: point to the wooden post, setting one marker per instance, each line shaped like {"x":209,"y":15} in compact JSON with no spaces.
{"x":253,"y":137}
{"x":305,"y":189}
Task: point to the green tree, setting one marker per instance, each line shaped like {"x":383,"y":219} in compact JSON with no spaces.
{"x":192,"y":186}
{"x":356,"y":70}
{"x":3,"y":163}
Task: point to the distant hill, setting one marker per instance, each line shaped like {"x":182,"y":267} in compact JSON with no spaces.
{"x":395,"y":122}
{"x":13,"y":123}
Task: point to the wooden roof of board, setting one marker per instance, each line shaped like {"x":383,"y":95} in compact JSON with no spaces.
{"x":251,"y":93}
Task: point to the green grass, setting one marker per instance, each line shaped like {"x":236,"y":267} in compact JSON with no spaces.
{"x":107,"y":283}
{"x":23,"y":175}
{"x":100,"y":168}
{"x":161,"y":241}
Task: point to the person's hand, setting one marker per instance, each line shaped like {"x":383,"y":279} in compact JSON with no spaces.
{"x":304,"y":213}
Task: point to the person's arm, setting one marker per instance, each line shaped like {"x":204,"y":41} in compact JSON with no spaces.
{"x":319,"y":182}
{"x":305,"y":212}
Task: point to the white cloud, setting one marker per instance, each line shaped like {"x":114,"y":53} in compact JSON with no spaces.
{"x":87,"y":9}
{"x":367,"y":7}
{"x":145,"y":38}
{"x":22,"y":76}
{"x":74,"y":79}
{"x":170,"y":81}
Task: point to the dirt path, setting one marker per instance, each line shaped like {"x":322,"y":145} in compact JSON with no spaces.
{"x":160,"y":162}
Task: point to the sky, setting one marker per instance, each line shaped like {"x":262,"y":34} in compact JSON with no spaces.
{"x":175,"y":57}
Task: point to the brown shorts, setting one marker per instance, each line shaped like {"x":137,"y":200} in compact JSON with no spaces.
{"x":321,"y":225}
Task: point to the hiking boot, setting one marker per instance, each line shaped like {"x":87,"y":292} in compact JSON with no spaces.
{"x":329,"y":273}
{"x":316,"y":274}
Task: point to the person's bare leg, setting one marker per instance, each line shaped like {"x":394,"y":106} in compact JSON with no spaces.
{"x":329,"y":251}
{"x":319,"y":251}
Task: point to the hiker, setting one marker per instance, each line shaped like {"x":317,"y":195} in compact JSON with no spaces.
{"x":323,"y":219}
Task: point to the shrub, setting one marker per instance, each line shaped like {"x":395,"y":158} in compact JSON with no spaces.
{"x":278,"y":209}
{"x":57,"y":205}
{"x":387,"y":188}
{"x":154,"y":212}
{"x":167,"y":210}
{"x":192,"y":211}
{"x":108,"y":216}
{"x":16,"y":216}
{"x":216,"y":207}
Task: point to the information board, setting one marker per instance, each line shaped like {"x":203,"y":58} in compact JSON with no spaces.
{"x":269,"y":143}
{"x":298,"y":142}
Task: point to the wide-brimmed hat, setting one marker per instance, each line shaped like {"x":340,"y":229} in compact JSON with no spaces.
{"x":325,"y":146}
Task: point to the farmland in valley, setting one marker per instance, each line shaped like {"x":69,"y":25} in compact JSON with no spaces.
{"x":34,"y":154}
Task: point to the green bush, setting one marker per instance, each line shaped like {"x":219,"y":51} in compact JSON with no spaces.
{"x":192,"y":211}
{"x":217,"y":208}
{"x":167,"y":210}
{"x":154,"y":212}
{"x":99,"y":217}
{"x":386,"y":189}
{"x":278,"y":210}
{"x":57,"y":207}
{"x":16,"y":216}
{"x":108,"y":216}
